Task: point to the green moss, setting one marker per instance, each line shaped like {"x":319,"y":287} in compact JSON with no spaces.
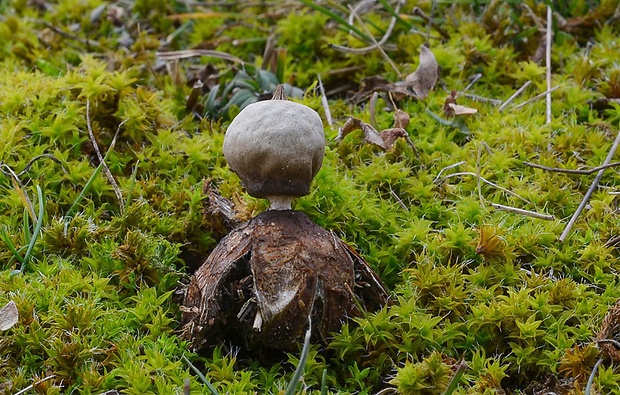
{"x":98,"y":298}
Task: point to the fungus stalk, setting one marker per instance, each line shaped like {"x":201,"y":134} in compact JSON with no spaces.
{"x":280,"y":202}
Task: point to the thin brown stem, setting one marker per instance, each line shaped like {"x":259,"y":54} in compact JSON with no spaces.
{"x":590,"y":191}
{"x":36,"y":158}
{"x":521,"y":211}
{"x":495,"y":102}
{"x":104,"y":166}
{"x":398,"y":199}
{"x":324,"y":102}
{"x":418,"y":11}
{"x":378,"y":45}
{"x":515,"y":95}
{"x":31,"y":386}
{"x":572,"y":171}
{"x":548,"y":60}
{"x":469,"y":173}
{"x":533,"y":99}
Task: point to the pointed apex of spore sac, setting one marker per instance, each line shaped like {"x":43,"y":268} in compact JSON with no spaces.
{"x":279,"y":93}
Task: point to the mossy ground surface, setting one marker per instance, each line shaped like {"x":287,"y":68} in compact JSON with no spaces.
{"x":95,"y":269}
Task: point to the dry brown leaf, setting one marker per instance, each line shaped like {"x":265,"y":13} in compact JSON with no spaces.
{"x":447,"y":110}
{"x":423,"y":80}
{"x":389,"y":136}
{"x":370,"y":134}
{"x":401,"y":119}
{"x":385,"y":140}
{"x":417,"y":84}
{"x":350,"y":125}
{"x":462,"y":110}
{"x":192,"y":103}
{"x":370,"y":85}
{"x":8,"y":316}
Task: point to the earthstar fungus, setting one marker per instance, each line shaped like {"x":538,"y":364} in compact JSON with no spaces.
{"x":266,"y":277}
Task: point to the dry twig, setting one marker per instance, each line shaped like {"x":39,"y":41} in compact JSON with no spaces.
{"x":328,"y":114}
{"x":469,"y":173}
{"x":398,"y":199}
{"x":452,"y":166}
{"x":521,"y":211}
{"x":418,"y":11}
{"x":60,"y":32}
{"x":514,"y":95}
{"x":473,"y":79}
{"x":533,"y":99}
{"x":376,"y":44}
{"x":572,"y":171}
{"x":36,"y":158}
{"x":481,"y":99}
{"x":548,"y":60}
{"x":31,"y":386}
{"x":104,"y":166}
{"x":590,"y":191}
{"x":478,"y":177}
{"x":192,"y":53}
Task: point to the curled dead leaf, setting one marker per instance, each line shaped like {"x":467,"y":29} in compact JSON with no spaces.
{"x":350,"y":125}
{"x":401,"y":119}
{"x":462,"y":110}
{"x":423,"y":80}
{"x":389,"y":136}
{"x":373,"y":84}
{"x":386,"y":139}
{"x":8,"y":316}
{"x":451,"y":108}
{"x":417,"y":84}
{"x":451,"y":99}
{"x":371,"y":135}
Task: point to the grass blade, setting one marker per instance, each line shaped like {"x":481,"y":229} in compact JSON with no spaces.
{"x":10,"y":245}
{"x":588,"y":390}
{"x":37,"y":228}
{"x":26,"y":227}
{"x":84,"y":191}
{"x":132,"y":183}
{"x":299,"y":372}
{"x":95,"y":173}
{"x":454,"y":382}
{"x":200,"y":376}
{"x":324,"y":382}
{"x":341,"y":21}
{"x":395,"y":14}
{"x":19,"y":188}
